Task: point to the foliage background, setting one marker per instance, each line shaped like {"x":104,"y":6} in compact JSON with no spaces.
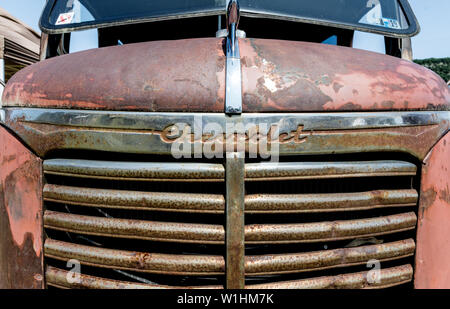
{"x":439,"y":65}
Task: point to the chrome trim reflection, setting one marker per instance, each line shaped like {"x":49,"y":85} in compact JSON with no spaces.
{"x":44,"y":130}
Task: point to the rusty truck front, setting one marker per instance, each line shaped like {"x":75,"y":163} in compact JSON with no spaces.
{"x":225,"y":144}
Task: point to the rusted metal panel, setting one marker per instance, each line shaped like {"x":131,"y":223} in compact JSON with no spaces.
{"x":277,"y":76}
{"x":136,"y":261}
{"x":145,"y":171}
{"x":21,"y":228}
{"x":433,"y":244}
{"x":303,"y":203}
{"x":124,"y":199}
{"x":235,"y":225}
{"x":286,"y":76}
{"x":138,"y":229}
{"x":329,"y":231}
{"x":58,"y":278}
{"x":387,"y":277}
{"x":320,"y":170}
{"x":318,"y":260}
{"x":179,"y":75}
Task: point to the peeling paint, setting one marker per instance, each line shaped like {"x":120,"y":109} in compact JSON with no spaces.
{"x":433,"y":243}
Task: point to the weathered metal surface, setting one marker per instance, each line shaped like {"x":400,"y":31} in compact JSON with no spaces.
{"x":215,"y":203}
{"x":138,"y":229}
{"x":21,"y":228}
{"x":318,"y":260}
{"x":168,"y":171}
{"x":58,"y":278}
{"x":45,"y":130}
{"x":277,"y":76}
{"x":150,"y":76}
{"x":387,"y":277}
{"x":123,"y":199}
{"x":433,"y":244}
{"x":288,"y":76}
{"x":235,"y":225}
{"x":299,"y":203}
{"x":329,"y":231}
{"x":136,"y":261}
{"x":319,"y":170}
{"x":215,"y":234}
{"x":215,"y":172}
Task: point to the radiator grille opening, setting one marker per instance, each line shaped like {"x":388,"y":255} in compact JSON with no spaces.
{"x":301,"y":230}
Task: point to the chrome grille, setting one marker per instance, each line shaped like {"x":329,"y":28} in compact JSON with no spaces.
{"x":309,"y":223}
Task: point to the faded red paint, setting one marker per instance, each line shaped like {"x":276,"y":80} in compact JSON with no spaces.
{"x":21,"y":227}
{"x":152,"y":76}
{"x":433,"y":241}
{"x":189,"y":75}
{"x":286,"y":76}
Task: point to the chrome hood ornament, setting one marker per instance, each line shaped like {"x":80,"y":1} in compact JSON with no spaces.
{"x":233,"y":96}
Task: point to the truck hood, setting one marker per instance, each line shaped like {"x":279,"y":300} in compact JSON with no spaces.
{"x":189,"y":76}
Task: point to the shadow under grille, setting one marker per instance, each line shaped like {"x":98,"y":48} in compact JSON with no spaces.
{"x":309,"y":224}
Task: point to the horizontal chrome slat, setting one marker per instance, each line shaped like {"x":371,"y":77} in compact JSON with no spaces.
{"x":140,"y":171}
{"x":122,"y":199}
{"x":299,"y":203}
{"x":319,"y":260}
{"x":215,"y":234}
{"x":136,"y":229}
{"x":136,"y":261}
{"x":387,"y":277}
{"x":215,"y":265}
{"x":215,"y":203}
{"x":169,"y":171}
{"x":324,"y":170}
{"x":329,"y":231}
{"x":58,"y":278}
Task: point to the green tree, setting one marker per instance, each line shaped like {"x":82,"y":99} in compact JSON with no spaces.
{"x":441,"y":66}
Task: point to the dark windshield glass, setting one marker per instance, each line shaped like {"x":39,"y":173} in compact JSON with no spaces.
{"x":379,"y":15}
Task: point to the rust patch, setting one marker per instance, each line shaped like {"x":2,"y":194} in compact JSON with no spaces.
{"x":427,"y":199}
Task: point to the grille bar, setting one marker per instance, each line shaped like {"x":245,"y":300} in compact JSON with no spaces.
{"x":136,"y":261}
{"x":201,"y":265}
{"x":387,"y":277}
{"x":58,"y":278}
{"x":122,"y":199}
{"x":215,"y":203}
{"x":329,"y":231}
{"x":215,"y":234}
{"x":137,"y":229}
{"x":215,"y":172}
{"x":139,"y":171}
{"x":319,"y":260}
{"x":326,"y":170}
{"x":302,"y":203}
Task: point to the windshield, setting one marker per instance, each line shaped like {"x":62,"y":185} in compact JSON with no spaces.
{"x":383,"y":16}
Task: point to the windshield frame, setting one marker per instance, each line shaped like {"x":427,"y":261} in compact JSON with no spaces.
{"x":412,"y":30}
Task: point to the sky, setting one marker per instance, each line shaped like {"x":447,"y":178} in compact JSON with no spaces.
{"x":432,"y":41}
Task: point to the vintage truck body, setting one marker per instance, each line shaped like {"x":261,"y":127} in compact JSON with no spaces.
{"x":154,"y":163}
